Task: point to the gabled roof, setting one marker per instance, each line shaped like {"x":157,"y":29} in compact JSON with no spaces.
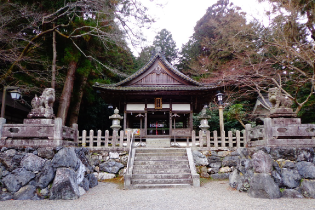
{"x":158,"y":56}
{"x":158,"y":65}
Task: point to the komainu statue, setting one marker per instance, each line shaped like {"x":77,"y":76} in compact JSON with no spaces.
{"x":43,"y":105}
{"x":46,"y":100}
{"x":277,"y":99}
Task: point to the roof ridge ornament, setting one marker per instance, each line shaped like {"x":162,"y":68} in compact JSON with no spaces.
{"x":158,"y":49}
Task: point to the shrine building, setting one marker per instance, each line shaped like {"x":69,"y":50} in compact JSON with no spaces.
{"x":158,"y":99}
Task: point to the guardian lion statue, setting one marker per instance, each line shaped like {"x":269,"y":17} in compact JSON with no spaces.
{"x":277,"y":99}
{"x":46,"y":100}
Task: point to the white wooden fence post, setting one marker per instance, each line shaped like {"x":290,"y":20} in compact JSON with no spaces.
{"x":238,"y":139}
{"x":193,"y":138}
{"x":230,"y":135}
{"x":91,"y":138}
{"x":223,"y":139}
{"x":84,"y":138}
{"x":215,"y":139}
{"x":99,"y":136}
{"x":106,"y":138}
{"x":128,"y":139}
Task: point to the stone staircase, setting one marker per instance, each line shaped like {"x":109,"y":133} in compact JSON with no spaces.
{"x":163,"y":168}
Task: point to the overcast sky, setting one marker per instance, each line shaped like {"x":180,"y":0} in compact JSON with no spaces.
{"x":180,"y":17}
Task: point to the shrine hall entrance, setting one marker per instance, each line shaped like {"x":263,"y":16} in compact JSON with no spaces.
{"x":158,"y":123}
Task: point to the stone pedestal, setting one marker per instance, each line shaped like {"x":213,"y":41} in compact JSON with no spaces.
{"x":281,"y":112}
{"x":158,"y":142}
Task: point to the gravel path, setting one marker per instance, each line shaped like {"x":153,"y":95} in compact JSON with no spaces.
{"x":213,"y":195}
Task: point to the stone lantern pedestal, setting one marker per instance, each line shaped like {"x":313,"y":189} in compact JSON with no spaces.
{"x":204,"y":125}
{"x":116,"y":120}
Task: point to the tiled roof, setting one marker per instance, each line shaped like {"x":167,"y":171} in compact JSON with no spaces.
{"x":152,"y":88}
{"x":166,"y":63}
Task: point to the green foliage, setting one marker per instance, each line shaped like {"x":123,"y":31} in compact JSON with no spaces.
{"x":214,"y":121}
{"x":165,"y":40}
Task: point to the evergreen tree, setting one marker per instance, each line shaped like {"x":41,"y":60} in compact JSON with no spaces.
{"x":165,"y":40}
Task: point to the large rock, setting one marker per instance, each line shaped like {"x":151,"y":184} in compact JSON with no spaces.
{"x":65,"y":185}
{"x":235,"y":180}
{"x":80,"y":172}
{"x":306,"y":169}
{"x":111,"y":166}
{"x":25,"y":193}
{"x":85,"y":184}
{"x":263,"y":186}
{"x":308,"y":188}
{"x":305,"y":154}
{"x":199,"y":158}
{"x":4,"y":196}
{"x":262,"y":162}
{"x":46,"y":152}
{"x":81,"y":154}
{"x":66,"y":157}
{"x":11,"y":159}
{"x":291,"y":193}
{"x":230,"y":161}
{"x":46,"y":175}
{"x":92,"y":180}
{"x":290,"y":178}
{"x":18,"y":178}
{"x":32,"y":162}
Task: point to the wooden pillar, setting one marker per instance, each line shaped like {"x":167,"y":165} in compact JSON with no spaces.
{"x":125,"y":117}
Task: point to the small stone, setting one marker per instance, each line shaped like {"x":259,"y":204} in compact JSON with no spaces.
{"x":111,"y":166}
{"x":225,"y":169}
{"x":215,"y":165}
{"x":224,"y":153}
{"x":46,"y":152}
{"x":104,"y":176}
{"x":113,"y":155}
{"x":25,"y":193}
{"x":308,"y":188}
{"x":92,"y":180}
{"x":199,"y":158}
{"x":204,"y":175}
{"x":97,"y":169}
{"x":230,"y":161}
{"x":291,"y":193}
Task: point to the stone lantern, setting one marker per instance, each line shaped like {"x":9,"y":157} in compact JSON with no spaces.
{"x":204,"y":126}
{"x":116,"y":120}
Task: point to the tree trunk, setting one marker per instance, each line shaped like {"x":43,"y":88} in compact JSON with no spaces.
{"x":66,"y":92}
{"x":53,"y":66}
{"x":76,"y":108}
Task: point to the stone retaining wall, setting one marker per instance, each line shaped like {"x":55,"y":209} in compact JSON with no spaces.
{"x":275,"y":172}
{"x":54,"y":173}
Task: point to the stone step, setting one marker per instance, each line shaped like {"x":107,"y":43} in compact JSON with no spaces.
{"x":177,"y":154}
{"x":148,"y":186}
{"x":150,"y":158}
{"x":161,"y":176}
{"x":161,"y":171}
{"x":160,"y":162}
{"x":166,"y":166}
{"x":142,"y":150}
{"x":161,"y":181}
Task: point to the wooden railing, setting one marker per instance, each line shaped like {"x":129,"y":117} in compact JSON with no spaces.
{"x":203,"y":141}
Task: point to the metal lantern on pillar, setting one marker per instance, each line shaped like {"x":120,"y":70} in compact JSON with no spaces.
{"x":220,"y":102}
{"x":15,"y":94}
{"x":116,"y":120}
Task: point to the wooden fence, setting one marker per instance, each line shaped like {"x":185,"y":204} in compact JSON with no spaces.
{"x":207,"y":141}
